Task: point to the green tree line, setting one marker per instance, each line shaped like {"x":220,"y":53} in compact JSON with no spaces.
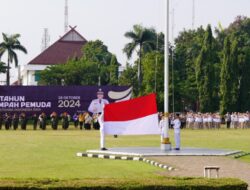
{"x":209,"y":69}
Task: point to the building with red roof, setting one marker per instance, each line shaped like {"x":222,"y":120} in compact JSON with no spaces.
{"x":67,"y":47}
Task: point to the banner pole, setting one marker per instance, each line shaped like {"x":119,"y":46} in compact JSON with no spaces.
{"x":165,"y":144}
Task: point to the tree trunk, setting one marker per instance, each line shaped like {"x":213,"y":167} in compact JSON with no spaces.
{"x":139,"y":69}
{"x":8,"y":73}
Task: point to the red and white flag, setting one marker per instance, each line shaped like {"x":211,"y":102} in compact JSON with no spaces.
{"x":137,"y":116}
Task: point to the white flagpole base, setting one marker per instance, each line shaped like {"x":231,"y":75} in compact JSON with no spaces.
{"x":165,"y":147}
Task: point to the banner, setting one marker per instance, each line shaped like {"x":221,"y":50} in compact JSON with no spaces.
{"x":59,"y":99}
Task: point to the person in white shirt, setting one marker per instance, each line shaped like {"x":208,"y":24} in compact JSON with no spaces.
{"x":190,"y":121}
{"x":162,"y":124}
{"x":97,"y":105}
{"x":102,"y":135}
{"x":210,"y":121}
{"x":177,"y":132}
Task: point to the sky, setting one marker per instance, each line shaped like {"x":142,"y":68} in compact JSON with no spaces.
{"x":108,"y":20}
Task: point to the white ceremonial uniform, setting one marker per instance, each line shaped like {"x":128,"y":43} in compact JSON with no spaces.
{"x":102,"y":135}
{"x":97,"y":105}
{"x":162,"y":124}
{"x":177,"y":132}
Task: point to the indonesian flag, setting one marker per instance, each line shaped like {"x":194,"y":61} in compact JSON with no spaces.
{"x":132,"y":117}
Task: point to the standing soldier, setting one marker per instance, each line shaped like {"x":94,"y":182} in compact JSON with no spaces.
{"x":23,"y":121}
{"x":15,"y":121}
{"x":35,"y":121}
{"x":177,"y":132}
{"x":102,"y":134}
{"x":162,"y":124}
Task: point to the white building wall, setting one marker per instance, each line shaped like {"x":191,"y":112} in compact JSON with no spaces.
{"x":28,"y":74}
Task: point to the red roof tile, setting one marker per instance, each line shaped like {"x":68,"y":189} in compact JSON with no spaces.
{"x":62,"y":50}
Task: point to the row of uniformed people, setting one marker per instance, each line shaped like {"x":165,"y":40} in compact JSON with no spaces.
{"x":238,"y":120}
{"x":84,"y":120}
{"x":8,"y":121}
{"x":209,"y":120}
{"x":203,"y":121}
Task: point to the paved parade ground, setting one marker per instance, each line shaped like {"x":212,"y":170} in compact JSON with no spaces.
{"x":52,"y":154}
{"x":156,"y":151}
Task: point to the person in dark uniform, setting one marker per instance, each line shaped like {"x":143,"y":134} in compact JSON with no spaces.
{"x":1,"y":121}
{"x":43,"y":121}
{"x":75,"y":119}
{"x":15,"y":121}
{"x":7,"y":121}
{"x":228,"y":119}
{"x":23,"y":121}
{"x":54,"y":121}
{"x":35,"y":121}
{"x":65,"y":121}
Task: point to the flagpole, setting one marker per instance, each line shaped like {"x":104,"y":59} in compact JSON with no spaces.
{"x":165,"y":144}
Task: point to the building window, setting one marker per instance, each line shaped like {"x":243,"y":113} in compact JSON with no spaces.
{"x":37,"y":76}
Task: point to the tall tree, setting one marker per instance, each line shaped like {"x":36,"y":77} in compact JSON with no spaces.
{"x":187,"y":48}
{"x":229,"y":77}
{"x":2,"y":67}
{"x":142,"y":40}
{"x":9,"y":45}
{"x":97,"y":52}
{"x":205,"y":74}
{"x":113,"y":70}
{"x":240,"y":28}
{"x":154,"y":72}
{"x":128,"y":77}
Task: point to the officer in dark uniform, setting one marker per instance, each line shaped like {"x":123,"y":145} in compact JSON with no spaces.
{"x":35,"y":121}
{"x":15,"y":121}
{"x":7,"y":120}
{"x":42,"y":121}
{"x":23,"y":121}
{"x":65,"y":121}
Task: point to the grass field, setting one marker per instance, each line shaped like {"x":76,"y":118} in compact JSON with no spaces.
{"x":52,"y":154}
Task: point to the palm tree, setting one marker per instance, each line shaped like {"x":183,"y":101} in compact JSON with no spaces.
{"x":2,"y":67}
{"x":9,"y":45}
{"x":142,"y":41}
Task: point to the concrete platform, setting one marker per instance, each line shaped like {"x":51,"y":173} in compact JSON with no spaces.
{"x":156,"y":151}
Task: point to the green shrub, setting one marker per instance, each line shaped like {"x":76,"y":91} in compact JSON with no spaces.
{"x":138,"y":184}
